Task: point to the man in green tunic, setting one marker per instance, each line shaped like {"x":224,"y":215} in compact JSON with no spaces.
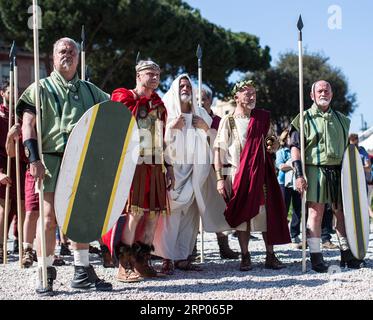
{"x":326,"y":137}
{"x":63,"y":99}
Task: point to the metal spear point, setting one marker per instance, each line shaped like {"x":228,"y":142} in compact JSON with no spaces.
{"x":300,"y":24}
{"x":12,"y":55}
{"x":137,"y":57}
{"x":83,"y":38}
{"x":199,"y":56}
{"x":83,"y":54}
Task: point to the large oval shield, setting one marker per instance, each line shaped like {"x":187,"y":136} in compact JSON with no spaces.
{"x":355,"y":202}
{"x":97,"y":171}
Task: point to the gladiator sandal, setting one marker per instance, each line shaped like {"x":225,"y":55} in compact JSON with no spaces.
{"x":142,"y":261}
{"x":347,"y":258}
{"x":245,"y":264}
{"x":225,"y":251}
{"x":318,"y":263}
{"x":126,"y":272}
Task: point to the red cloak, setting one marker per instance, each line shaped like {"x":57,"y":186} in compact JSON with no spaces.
{"x":256,"y":169}
{"x":133,"y":102}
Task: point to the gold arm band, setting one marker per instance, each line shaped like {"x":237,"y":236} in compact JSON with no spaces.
{"x":219,"y":174}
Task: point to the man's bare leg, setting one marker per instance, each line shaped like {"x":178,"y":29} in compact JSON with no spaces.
{"x":50,"y":243}
{"x":271,"y":261}
{"x":29,"y":234}
{"x":129,"y":233}
{"x":243,"y":240}
{"x":50,"y":224}
{"x":148,"y":229}
{"x":29,"y":227}
{"x":315,"y":215}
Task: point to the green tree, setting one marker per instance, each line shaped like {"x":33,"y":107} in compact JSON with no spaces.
{"x":168,"y":31}
{"x":278,"y":86}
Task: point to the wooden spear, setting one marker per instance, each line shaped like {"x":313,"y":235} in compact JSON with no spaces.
{"x":199,"y":57}
{"x":38,"y":130}
{"x":18,"y":178}
{"x":9,"y":166}
{"x":301,"y":125}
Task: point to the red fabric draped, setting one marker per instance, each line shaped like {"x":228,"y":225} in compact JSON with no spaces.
{"x":132,"y":102}
{"x":254,"y":171}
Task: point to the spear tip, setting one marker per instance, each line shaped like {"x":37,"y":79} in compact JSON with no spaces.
{"x":199,"y":52}
{"x":83,"y":33}
{"x":300,"y":24}
{"x":137,"y":57}
{"x":13,"y":50}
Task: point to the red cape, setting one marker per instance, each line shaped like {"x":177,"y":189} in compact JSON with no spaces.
{"x":247,"y":189}
{"x":132,"y":102}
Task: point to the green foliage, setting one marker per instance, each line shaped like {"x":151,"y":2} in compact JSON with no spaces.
{"x":278,"y":87}
{"x":168,"y":31}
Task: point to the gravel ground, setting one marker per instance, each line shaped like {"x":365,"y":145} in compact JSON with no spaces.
{"x":220,"y":279}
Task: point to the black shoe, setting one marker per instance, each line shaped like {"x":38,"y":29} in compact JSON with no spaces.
{"x":86,"y":278}
{"x":15,"y":246}
{"x":347,"y":258}
{"x":51,"y":275}
{"x":94,"y":250}
{"x":65,"y":251}
{"x":318,"y":263}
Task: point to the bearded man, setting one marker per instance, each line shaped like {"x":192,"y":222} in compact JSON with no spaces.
{"x":326,"y":138}
{"x":188,"y":150}
{"x":64,"y":98}
{"x":246,"y":176}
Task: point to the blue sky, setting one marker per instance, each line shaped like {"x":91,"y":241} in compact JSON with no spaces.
{"x":344,"y":34}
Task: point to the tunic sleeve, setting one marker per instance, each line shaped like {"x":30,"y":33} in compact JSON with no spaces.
{"x":26,"y":101}
{"x":223,"y":137}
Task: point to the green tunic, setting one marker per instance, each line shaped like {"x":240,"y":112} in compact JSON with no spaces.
{"x":62,"y":104}
{"x":326,"y":136}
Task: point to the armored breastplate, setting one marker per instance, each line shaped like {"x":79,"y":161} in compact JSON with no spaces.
{"x":151,"y":133}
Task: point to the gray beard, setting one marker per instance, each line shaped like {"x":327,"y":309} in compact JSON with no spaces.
{"x":323,"y":103}
{"x":185,"y":98}
{"x":66,"y":64}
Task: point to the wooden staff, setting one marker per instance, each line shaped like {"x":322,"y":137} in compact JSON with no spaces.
{"x":199,"y":57}
{"x":83,"y":54}
{"x":301,"y":125}
{"x":9,"y":166}
{"x":18,"y":172}
{"x":38,"y":131}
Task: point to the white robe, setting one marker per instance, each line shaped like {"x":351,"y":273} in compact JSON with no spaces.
{"x":193,"y":195}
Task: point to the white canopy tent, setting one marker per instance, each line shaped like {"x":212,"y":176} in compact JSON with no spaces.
{"x":366,"y":140}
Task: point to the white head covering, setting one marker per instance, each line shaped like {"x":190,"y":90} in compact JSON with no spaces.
{"x":171,"y":100}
